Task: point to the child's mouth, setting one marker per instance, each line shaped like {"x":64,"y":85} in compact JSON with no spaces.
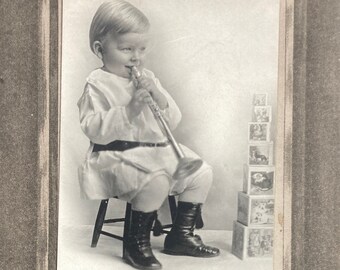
{"x":129,"y":68}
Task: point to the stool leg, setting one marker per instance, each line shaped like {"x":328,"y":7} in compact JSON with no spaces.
{"x":99,"y":222}
{"x":127,"y":225}
{"x":173,"y":208}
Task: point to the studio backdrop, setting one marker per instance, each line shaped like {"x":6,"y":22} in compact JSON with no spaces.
{"x":212,"y":57}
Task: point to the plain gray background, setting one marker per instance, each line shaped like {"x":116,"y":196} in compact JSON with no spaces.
{"x":211,"y":57}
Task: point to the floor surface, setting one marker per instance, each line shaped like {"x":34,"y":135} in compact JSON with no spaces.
{"x":75,"y":253}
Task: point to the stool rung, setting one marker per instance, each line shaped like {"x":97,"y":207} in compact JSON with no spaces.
{"x":100,"y":220}
{"x":114,"y":220}
{"x":112,"y":235}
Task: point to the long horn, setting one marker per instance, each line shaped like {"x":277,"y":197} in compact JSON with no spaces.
{"x":186,"y":166}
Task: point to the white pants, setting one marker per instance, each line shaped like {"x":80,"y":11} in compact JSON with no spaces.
{"x":194,"y":189}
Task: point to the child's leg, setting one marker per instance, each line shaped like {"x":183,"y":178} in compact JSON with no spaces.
{"x":152,"y":195}
{"x":198,"y":188}
{"x":181,"y":239}
{"x":138,"y":252}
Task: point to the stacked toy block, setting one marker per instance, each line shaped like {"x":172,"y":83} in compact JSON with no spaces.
{"x":253,"y":230}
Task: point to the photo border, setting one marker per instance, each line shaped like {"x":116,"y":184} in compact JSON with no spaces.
{"x":306,"y":33}
{"x":282,"y":231}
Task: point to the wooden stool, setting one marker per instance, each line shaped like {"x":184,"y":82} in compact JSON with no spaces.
{"x":100,"y":221}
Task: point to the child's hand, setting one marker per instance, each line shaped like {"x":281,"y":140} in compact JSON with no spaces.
{"x":139,"y":100}
{"x":148,"y":84}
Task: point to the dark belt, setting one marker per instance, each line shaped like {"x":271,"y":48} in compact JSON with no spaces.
{"x":125,"y":145}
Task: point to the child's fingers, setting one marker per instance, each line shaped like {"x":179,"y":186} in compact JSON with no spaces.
{"x":148,"y":99}
{"x":145,"y":97}
{"x":135,"y":81}
{"x":141,"y":94}
{"x":144,"y":82}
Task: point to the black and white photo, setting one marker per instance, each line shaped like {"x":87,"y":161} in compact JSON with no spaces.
{"x":193,"y":66}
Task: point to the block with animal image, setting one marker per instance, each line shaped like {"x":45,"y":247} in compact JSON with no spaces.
{"x":258,"y":180}
{"x":252,"y":242}
{"x":260,"y":154}
{"x":255,"y":209}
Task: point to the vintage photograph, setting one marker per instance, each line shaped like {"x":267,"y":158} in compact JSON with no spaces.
{"x":125,"y":131}
{"x":155,"y":102}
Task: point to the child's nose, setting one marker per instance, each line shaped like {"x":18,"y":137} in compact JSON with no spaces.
{"x":135,"y":56}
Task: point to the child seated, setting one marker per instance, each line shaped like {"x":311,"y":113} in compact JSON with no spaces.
{"x":129,"y":156}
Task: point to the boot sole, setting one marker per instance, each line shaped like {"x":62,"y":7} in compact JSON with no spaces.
{"x":176,"y":253}
{"x":130,"y":262}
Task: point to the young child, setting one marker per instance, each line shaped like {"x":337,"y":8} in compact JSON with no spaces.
{"x":129,"y":156}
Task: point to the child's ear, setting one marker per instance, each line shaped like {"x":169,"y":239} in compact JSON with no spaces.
{"x":98,"y":49}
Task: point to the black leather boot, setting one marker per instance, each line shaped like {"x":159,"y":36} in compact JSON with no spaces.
{"x":181,"y":239}
{"x":137,"y":249}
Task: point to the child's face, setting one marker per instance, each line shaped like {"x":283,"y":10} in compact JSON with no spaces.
{"x":122,"y":51}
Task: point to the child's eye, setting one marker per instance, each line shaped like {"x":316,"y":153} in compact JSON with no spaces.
{"x":126,"y":49}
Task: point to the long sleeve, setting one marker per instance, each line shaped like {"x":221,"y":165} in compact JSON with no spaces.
{"x":101,"y":122}
{"x":102,"y":111}
{"x":172,"y":114}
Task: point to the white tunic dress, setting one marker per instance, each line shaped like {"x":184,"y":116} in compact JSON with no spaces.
{"x":103,"y":119}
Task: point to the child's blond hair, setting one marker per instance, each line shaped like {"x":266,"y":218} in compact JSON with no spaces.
{"x":117,"y":17}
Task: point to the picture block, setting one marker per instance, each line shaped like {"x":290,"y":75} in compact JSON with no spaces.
{"x":260,"y":99}
{"x":258,"y":180}
{"x":258,"y":132}
{"x":260,"y":154}
{"x":262,"y":114}
{"x":255,"y":210}
{"x":252,"y":242}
